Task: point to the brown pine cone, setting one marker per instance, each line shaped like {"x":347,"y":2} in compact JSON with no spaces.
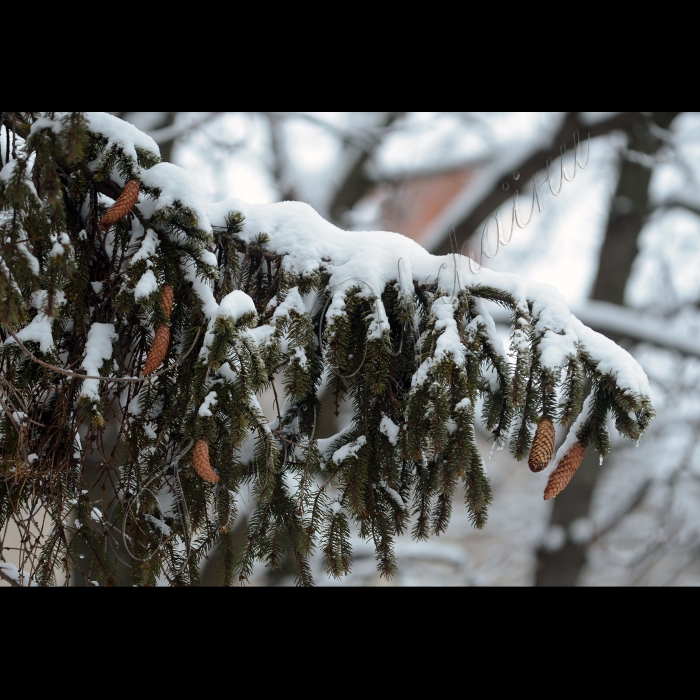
{"x":158,"y":350}
{"x":202,"y":465}
{"x":122,"y":206}
{"x":566,"y":468}
{"x":167,"y":298}
{"x":542,"y":446}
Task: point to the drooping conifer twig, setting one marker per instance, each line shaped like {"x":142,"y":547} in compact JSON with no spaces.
{"x":123,"y":205}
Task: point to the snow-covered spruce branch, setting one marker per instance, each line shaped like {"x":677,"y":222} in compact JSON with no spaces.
{"x":621,"y":321}
{"x":75,"y":375}
{"x":273,"y":290}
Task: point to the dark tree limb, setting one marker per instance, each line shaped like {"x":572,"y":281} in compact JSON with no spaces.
{"x":357,"y":182}
{"x":678,"y":204}
{"x":628,"y":215}
{"x":14,"y":121}
{"x":628,"y":122}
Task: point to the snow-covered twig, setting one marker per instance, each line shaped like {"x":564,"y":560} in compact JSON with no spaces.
{"x":124,"y":380}
{"x":611,"y":318}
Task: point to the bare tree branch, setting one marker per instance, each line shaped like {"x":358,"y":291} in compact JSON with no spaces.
{"x":178,"y":129}
{"x":9,"y":579}
{"x":678,"y":204}
{"x":357,"y":182}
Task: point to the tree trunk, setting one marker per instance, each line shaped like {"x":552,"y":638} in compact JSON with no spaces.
{"x":617,"y":254}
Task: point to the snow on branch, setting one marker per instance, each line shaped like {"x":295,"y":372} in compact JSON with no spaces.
{"x":241,"y":293}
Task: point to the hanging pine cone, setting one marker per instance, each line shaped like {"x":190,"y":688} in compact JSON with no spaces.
{"x":167,"y":298}
{"x":123,"y":205}
{"x":566,"y":468}
{"x":202,"y":465}
{"x":158,"y":350}
{"x":542,"y":446}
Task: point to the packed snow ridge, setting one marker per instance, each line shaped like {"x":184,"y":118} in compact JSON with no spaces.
{"x":98,"y":348}
{"x":117,"y":132}
{"x":371,"y":260}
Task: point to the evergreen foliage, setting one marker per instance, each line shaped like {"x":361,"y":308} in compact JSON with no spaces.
{"x":107,"y":461}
